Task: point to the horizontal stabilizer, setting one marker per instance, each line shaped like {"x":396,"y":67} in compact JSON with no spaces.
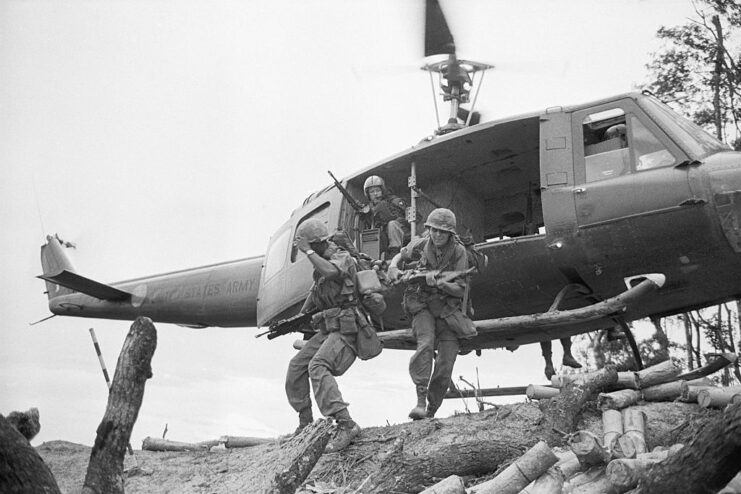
{"x":87,"y":286}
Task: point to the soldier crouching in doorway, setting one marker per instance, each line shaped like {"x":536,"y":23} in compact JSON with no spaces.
{"x":438,"y":321}
{"x":387,"y":212}
{"x":332,"y":350}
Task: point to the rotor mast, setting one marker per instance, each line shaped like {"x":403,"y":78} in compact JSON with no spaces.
{"x":455,"y":77}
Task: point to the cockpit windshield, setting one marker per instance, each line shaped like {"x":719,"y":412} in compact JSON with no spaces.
{"x":686,"y":134}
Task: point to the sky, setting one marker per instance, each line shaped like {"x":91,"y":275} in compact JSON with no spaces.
{"x":161,"y":135}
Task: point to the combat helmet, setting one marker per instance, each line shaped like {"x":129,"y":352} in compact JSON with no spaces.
{"x":374,"y":181}
{"x":442,"y":219}
{"x":314,"y":230}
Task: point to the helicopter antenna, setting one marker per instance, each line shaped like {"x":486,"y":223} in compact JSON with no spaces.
{"x":455,"y":77}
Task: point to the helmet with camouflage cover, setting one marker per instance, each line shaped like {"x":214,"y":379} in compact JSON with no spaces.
{"x":442,"y":219}
{"x":313,"y":230}
{"x":374,"y":181}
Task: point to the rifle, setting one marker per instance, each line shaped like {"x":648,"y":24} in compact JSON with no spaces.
{"x":293,"y":324}
{"x":420,"y":277}
{"x":362,"y":208}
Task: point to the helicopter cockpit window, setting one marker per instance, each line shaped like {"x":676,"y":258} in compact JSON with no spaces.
{"x":617,"y":144}
{"x":606,"y":145}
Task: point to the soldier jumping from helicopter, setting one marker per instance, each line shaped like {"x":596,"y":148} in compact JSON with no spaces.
{"x":332,"y":350}
{"x":435,"y":306}
{"x":388,"y":212}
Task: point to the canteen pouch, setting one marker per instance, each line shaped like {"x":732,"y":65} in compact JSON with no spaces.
{"x":347,"y":322}
{"x":367,"y":343}
{"x":367,"y":281}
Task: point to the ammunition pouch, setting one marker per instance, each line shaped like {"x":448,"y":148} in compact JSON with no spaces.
{"x":457,"y":321}
{"x":336,"y":319}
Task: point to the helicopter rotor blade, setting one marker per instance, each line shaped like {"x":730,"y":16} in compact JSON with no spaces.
{"x":438,"y":39}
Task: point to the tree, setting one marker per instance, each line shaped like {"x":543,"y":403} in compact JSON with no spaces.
{"x":701,"y":65}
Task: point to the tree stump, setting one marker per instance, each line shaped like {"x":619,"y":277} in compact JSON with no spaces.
{"x":714,"y":454}
{"x":105,"y":471}
{"x":21,"y":468}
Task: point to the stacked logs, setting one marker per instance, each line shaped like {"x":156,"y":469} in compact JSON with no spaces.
{"x":619,"y":460}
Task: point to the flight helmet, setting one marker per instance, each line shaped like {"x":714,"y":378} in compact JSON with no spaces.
{"x":442,"y":219}
{"x":374,"y":181}
{"x":314,"y":230}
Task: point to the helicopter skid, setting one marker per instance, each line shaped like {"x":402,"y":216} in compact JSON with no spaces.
{"x":554,"y":324}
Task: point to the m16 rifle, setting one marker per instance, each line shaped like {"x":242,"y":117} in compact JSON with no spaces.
{"x":300,"y":323}
{"x":431,"y":277}
{"x":361,"y":208}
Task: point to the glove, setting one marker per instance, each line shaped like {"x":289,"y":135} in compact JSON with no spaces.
{"x":393,"y":273}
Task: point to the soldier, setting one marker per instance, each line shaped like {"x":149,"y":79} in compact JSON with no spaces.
{"x":388,"y":212}
{"x":332,"y":350}
{"x":435,"y":307}
{"x":568,"y":358}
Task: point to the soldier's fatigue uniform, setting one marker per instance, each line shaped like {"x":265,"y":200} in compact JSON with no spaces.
{"x":435,"y":314}
{"x":332,"y":350}
{"x":390,"y":214}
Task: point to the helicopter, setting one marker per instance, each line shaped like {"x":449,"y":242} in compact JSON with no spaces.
{"x":591,"y":216}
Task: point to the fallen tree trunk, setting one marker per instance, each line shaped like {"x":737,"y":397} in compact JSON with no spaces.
{"x":156,"y":444}
{"x":105,"y":471}
{"x":714,"y":454}
{"x":21,"y":467}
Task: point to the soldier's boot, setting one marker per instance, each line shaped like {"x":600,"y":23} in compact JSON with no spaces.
{"x":549,"y":371}
{"x":347,"y":430}
{"x":568,"y":359}
{"x":305,"y":417}
{"x":430,"y":413}
{"x":419,"y":412}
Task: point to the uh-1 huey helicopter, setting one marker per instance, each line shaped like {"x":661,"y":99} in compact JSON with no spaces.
{"x":590,"y":215}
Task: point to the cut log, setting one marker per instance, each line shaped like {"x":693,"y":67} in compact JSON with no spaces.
{"x":105,"y":470}
{"x":157,"y":444}
{"x":633,"y":441}
{"x":617,"y":400}
{"x":612,"y":427}
{"x":243,"y":442}
{"x":715,"y":363}
{"x":626,"y":380}
{"x":690,"y":391}
{"x":735,"y":399}
{"x":21,"y":467}
{"x":520,"y":473}
{"x":473,"y":393}
{"x":669,"y":391}
{"x":588,"y":449}
{"x":717,"y":397}
{"x":668,"y":370}
{"x":593,"y":481}
{"x":624,"y":473}
{"x":535,"y":392}
{"x":707,"y":464}
{"x":449,"y":485}
{"x":551,"y":482}
{"x":562,"y":412}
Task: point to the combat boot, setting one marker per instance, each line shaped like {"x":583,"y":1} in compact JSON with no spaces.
{"x":305,"y":417}
{"x":347,"y":430}
{"x":570,"y":361}
{"x":419,"y":412}
{"x":549,"y":370}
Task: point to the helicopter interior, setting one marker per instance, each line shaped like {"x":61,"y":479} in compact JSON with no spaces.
{"x":489,"y":177}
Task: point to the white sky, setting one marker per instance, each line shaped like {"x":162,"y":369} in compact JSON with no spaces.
{"x":163,"y":135}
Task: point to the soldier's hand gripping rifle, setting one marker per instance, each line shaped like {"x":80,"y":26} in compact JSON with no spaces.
{"x":300,"y":323}
{"x":432,"y":278}
{"x":361,"y":208}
